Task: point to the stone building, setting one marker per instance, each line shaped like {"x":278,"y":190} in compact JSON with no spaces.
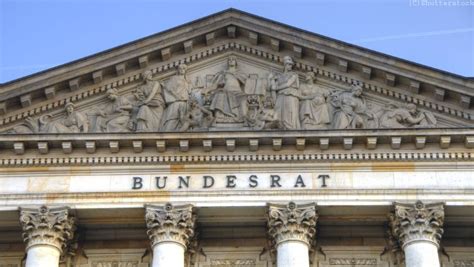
{"x":234,"y":140}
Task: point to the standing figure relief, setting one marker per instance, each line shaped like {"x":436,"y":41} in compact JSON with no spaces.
{"x":285,"y":89}
{"x":231,"y":99}
{"x":176,"y":94}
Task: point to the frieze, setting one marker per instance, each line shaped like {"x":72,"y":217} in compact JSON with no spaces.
{"x":233,"y":263}
{"x":463,"y":263}
{"x":399,"y":112}
{"x":232,"y":99}
{"x":353,"y":261}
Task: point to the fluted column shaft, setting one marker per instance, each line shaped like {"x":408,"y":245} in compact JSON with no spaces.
{"x":418,"y":229}
{"x":292,"y":229}
{"x":46,"y":232}
{"x":170,"y":229}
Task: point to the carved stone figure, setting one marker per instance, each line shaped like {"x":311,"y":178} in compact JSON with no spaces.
{"x":114,"y":116}
{"x":351,"y":110}
{"x":314,"y":110}
{"x":176,"y":94}
{"x":265,"y":117}
{"x":286,"y":86}
{"x":197,"y":117}
{"x":47,"y":226}
{"x":74,"y":122}
{"x":228,"y":102}
{"x":147,"y":112}
{"x":405,"y":117}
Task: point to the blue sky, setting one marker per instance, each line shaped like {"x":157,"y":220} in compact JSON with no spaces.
{"x":40,"y":34}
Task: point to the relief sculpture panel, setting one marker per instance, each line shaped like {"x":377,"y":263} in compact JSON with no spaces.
{"x":233,"y":97}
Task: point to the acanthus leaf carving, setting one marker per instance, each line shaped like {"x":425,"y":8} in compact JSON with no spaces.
{"x":47,"y":226}
{"x":417,"y":222}
{"x":292,"y":222}
{"x":170,"y":223}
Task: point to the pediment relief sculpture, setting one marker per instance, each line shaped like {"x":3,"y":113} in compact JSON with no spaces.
{"x":233,"y":98}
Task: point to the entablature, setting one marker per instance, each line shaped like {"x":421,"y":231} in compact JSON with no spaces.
{"x":250,"y":146}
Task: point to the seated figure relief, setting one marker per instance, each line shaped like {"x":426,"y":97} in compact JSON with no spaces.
{"x":230,"y":99}
{"x":314,"y":109}
{"x":351,"y":110}
{"x":148,"y":109}
{"x":114,"y":116}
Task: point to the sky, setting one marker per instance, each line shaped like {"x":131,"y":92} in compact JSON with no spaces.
{"x":39,"y":34}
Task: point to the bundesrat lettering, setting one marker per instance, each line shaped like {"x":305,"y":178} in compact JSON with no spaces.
{"x":208,"y":181}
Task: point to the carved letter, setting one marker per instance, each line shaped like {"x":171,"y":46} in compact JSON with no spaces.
{"x":275,"y":180}
{"x":253,"y":181}
{"x":206,"y":179}
{"x":137,"y":183}
{"x":158,"y":182}
{"x":231,"y":181}
{"x":323,"y":177}
{"x":299,"y":182}
{"x":183,"y":181}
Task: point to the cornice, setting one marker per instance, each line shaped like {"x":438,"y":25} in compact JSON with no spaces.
{"x":251,"y":146}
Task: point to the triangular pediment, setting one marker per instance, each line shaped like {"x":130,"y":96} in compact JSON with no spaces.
{"x":395,"y":93}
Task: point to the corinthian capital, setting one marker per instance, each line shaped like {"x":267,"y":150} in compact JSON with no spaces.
{"x":47,"y":226}
{"x":417,"y":222}
{"x":292,"y":222}
{"x":170,"y":223}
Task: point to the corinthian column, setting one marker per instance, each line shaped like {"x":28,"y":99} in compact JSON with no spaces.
{"x":292,"y":229}
{"x":170,"y":229}
{"x":46,"y":232}
{"x":418,"y":229}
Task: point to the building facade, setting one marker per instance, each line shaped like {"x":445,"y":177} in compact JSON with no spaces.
{"x":234,"y":140}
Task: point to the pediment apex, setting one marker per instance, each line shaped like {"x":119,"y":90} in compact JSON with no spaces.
{"x":251,"y":35}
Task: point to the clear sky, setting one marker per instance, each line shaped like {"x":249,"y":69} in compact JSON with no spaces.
{"x":40,"y":34}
